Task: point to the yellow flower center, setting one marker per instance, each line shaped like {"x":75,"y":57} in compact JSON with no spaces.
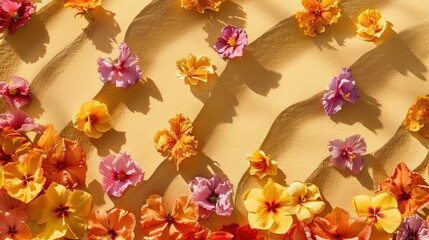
{"x":231,"y":42}
{"x":12,"y":92}
{"x":349,"y":154}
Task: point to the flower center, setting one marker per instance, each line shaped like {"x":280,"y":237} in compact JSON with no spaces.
{"x":26,"y":180}
{"x":12,"y":92}
{"x":272,"y":207}
{"x":92,"y":119}
{"x":121,"y":176}
{"x":317,"y":11}
{"x":112,"y":234}
{"x":62,"y":211}
{"x":405,"y":196}
{"x":118,"y":66}
{"x":412,"y":237}
{"x":213,"y":199}
{"x":61,"y":165}
{"x":12,"y":231}
{"x":15,"y":16}
{"x":6,"y":158}
{"x":231,"y":42}
{"x":375,"y":214}
{"x":170,"y":219}
{"x":349,"y":154}
{"x":302,"y":200}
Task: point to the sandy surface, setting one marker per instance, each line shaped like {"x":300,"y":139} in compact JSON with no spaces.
{"x":269,"y":99}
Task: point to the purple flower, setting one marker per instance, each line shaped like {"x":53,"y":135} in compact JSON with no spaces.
{"x":348,"y":153}
{"x":15,"y":14}
{"x":341,"y":90}
{"x":212,"y":194}
{"x":20,"y":122}
{"x":231,"y":42}
{"x":16,"y":92}
{"x":123,"y":73}
{"x":413,"y":227}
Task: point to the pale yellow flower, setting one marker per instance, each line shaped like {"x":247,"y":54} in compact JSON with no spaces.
{"x":306,"y":201}
{"x":194,"y":70}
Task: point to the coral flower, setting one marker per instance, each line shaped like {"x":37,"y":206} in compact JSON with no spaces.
{"x":317,"y":15}
{"x":201,"y":5}
{"x":8,"y":203}
{"x":158,"y":224}
{"x":305,"y":201}
{"x":381,"y":209}
{"x":177,"y":140}
{"x":231,"y":42}
{"x":62,"y":212}
{"x":193,"y":69}
{"x":341,"y":90}
{"x":20,"y":122}
{"x":299,"y":231}
{"x":24,"y":179}
{"x":244,"y":232}
{"x":124,"y":72}
{"x":119,"y":172}
{"x":13,"y":225}
{"x":212,"y":194}
{"x":84,"y":6}
{"x":348,"y":153}
{"x":93,"y":119}
{"x":267,"y":208}
{"x":339,"y":225}
{"x":114,"y":224}
{"x":261,"y":164}
{"x":413,"y":227}
{"x":15,"y":14}
{"x":12,"y":145}
{"x":16,"y":91}
{"x":409,"y":188}
{"x":418,"y":117}
{"x":371,"y":25}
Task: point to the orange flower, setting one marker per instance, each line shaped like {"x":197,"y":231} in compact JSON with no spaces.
{"x":317,"y":15}
{"x":201,"y":5}
{"x":93,"y":119}
{"x":370,"y":25}
{"x":160,"y":225}
{"x":261,"y":164}
{"x":410,"y":189}
{"x":339,"y":225}
{"x":12,"y":145}
{"x":418,"y":117}
{"x":8,"y":203}
{"x":82,"y":5}
{"x":177,"y":140}
{"x":193,"y":69}
{"x":12,"y":225}
{"x":114,"y":224}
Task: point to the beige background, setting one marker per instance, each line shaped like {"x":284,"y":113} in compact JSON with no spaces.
{"x":269,"y":99}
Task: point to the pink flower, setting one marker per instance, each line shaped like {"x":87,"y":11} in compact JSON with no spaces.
{"x":16,"y":92}
{"x":123,"y":73}
{"x":348,"y":153}
{"x":119,"y":172}
{"x":212,"y":195}
{"x":15,"y":14}
{"x":231,"y":42}
{"x":20,"y":122}
{"x":341,"y":90}
{"x":413,"y":227}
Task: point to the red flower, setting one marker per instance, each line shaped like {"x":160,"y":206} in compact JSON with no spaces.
{"x":243,"y":232}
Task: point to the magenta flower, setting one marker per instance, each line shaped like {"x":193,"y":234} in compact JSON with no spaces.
{"x":341,"y":90}
{"x":231,"y":42}
{"x":16,"y":92}
{"x":348,"y":153}
{"x":123,"y":73}
{"x":119,"y":172}
{"x":413,"y":227}
{"x":20,"y":122}
{"x":15,"y":14}
{"x":212,"y":195}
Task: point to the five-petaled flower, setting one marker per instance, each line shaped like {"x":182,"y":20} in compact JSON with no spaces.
{"x":231,"y":42}
{"x":348,"y":153}
{"x":93,"y":119}
{"x":13,"y":225}
{"x":114,"y":224}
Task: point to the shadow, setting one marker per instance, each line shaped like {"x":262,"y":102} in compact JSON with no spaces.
{"x":364,"y":177}
{"x":115,"y":139}
{"x":34,"y":109}
{"x":424,"y":141}
{"x":96,"y":191}
{"x":202,"y":90}
{"x":103,"y":30}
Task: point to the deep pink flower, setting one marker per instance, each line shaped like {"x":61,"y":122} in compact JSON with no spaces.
{"x":20,"y":122}
{"x":212,"y":194}
{"x":15,"y":14}
{"x":231,"y":42}
{"x":123,"y":73}
{"x":413,"y":227}
{"x":348,"y":153}
{"x":341,"y":90}
{"x":119,"y":172}
{"x":16,"y":92}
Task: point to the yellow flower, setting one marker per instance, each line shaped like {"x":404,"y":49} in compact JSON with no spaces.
{"x":82,"y":5}
{"x":201,"y":5}
{"x":267,"y":208}
{"x":305,"y":201}
{"x":418,"y":117}
{"x":261,"y":164}
{"x":24,"y":179}
{"x":1,"y":178}
{"x":381,"y":209}
{"x":62,"y":212}
{"x":193,"y":69}
{"x":370,"y":25}
{"x":93,"y":118}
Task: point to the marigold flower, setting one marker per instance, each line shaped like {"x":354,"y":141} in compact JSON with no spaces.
{"x":418,"y":117}
{"x":413,"y":227}
{"x":84,"y":6}
{"x":159,"y":224}
{"x":371,"y":25}
{"x":16,"y":91}
{"x":114,"y":224}
{"x":201,"y":5}
{"x":381,"y":209}
{"x":12,"y":145}
{"x":62,"y":212}
{"x":409,"y":188}
{"x":317,"y":15}
{"x":93,"y":119}
{"x":14,"y":14}
{"x":13,"y":225}
{"x":231,"y":42}
{"x":193,"y":69}
{"x":20,"y":122}
{"x":267,"y":208}
{"x":261,"y":164}
{"x":305,"y":201}
{"x":348,"y":153}
{"x":177,"y":140}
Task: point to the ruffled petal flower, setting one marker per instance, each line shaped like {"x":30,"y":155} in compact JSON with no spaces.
{"x":15,"y":14}
{"x":231,"y":42}
{"x":418,"y":117}
{"x":84,"y":6}
{"x":371,"y":25}
{"x":16,"y":91}
{"x":261,"y":164}
{"x":13,"y":225}
{"x":93,"y":119}
{"x":12,"y":145}
{"x":20,"y":122}
{"x":201,"y":5}
{"x":113,"y":224}
{"x":305,"y":201}
{"x":348,"y":153}
{"x":194,"y":70}
{"x":413,"y":227}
